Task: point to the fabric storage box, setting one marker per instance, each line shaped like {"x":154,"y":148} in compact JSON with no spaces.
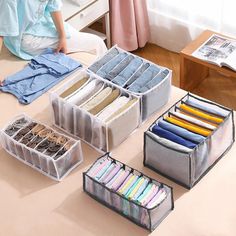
{"x":108,"y":186}
{"x":187,"y":140}
{"x":51,"y":153}
{"x":151,"y":82}
{"x":103,"y":128}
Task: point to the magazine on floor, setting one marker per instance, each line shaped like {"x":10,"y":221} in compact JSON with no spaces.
{"x":218,"y":50}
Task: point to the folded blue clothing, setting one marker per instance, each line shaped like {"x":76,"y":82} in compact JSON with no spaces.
{"x":205,"y":106}
{"x":124,"y":75}
{"x":172,"y":137}
{"x":156,"y":80}
{"x":41,"y":74}
{"x":106,"y":58}
{"x":138,"y":73}
{"x":104,"y":70}
{"x":147,"y":76}
{"x":120,"y":67}
{"x":184,"y":133}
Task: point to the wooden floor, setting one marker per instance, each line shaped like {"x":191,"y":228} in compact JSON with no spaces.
{"x":216,"y":87}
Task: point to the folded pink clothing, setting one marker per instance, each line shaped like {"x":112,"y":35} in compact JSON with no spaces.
{"x":98,"y":167}
{"x":158,"y":198}
{"x":120,"y":180}
{"x":112,"y":174}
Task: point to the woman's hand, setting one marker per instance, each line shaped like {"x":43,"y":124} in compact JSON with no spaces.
{"x":62,"y":46}
{"x":58,"y":21}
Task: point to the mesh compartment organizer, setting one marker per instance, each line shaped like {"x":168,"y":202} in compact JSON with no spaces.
{"x":145,"y":210}
{"x":151,"y":82}
{"x":70,"y":110}
{"x":51,"y":153}
{"x":205,"y":142}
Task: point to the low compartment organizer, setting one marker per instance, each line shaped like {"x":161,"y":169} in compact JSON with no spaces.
{"x":127,"y":191}
{"x":51,"y":153}
{"x":186,"y":141}
{"x":99,"y":112}
{"x":151,"y":82}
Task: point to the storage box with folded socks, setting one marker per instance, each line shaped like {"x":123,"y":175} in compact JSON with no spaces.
{"x":127,"y":191}
{"x":151,"y":82}
{"x":40,"y":147}
{"x":187,"y":140}
{"x":95,"y":110}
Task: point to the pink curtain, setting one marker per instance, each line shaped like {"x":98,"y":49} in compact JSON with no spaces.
{"x":129,"y":23}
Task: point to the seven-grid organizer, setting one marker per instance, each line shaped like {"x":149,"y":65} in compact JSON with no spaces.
{"x":188,"y":139}
{"x":40,"y":147}
{"x":100,"y":113}
{"x":151,"y":82}
{"x":127,"y":191}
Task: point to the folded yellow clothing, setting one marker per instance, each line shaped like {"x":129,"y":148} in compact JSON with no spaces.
{"x":197,"y":117}
{"x":74,"y":87}
{"x":101,"y":100}
{"x":125,"y":107}
{"x":188,"y":126}
{"x":201,"y":113}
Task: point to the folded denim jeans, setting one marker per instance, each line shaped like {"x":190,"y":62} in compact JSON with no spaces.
{"x":124,"y":75}
{"x":106,"y":58}
{"x":120,"y":67}
{"x":156,"y":80}
{"x":147,"y":76}
{"x":111,"y":64}
{"x":137,"y":74}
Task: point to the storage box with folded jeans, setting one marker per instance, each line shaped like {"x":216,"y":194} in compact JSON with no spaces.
{"x":138,"y":76}
{"x":186,"y":141}
{"x":99,"y":112}
{"x":127,"y":191}
{"x":40,"y":147}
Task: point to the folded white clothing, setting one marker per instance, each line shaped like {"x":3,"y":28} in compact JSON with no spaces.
{"x":112,"y":108}
{"x":84,"y":93}
{"x":194,"y":120}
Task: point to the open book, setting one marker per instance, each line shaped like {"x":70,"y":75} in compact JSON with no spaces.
{"x":218,"y":50}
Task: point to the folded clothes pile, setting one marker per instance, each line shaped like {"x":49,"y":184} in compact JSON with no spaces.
{"x":42,"y":73}
{"x":97,"y":98}
{"x":95,"y":110}
{"x":190,"y":123}
{"x":129,"y":192}
{"x":151,"y":82}
{"x":39,"y":146}
{"x":124,"y":182}
{"x":188,"y":139}
{"x":129,"y":71}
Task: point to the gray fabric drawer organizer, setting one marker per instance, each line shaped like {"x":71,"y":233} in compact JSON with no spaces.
{"x":154,"y":87}
{"x":187,"y":166}
{"x":140,"y":215}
